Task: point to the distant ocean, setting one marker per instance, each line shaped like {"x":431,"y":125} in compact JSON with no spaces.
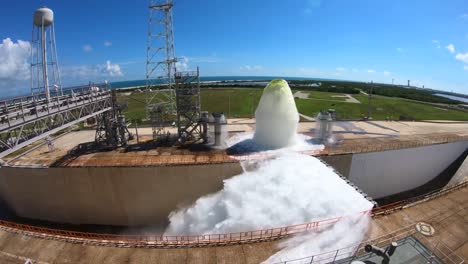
{"x":463,"y":99}
{"x":124,"y":84}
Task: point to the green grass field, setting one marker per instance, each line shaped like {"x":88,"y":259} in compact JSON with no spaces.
{"x":136,"y":104}
{"x":239,"y":102}
{"x":382,"y":108}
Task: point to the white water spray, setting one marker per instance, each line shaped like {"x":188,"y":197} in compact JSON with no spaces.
{"x":287,"y":189}
{"x":276,"y":116}
{"x":322,"y":245}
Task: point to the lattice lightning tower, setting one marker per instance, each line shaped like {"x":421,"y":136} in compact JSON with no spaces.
{"x":161,"y":60}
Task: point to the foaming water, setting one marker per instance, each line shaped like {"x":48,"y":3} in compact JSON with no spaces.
{"x":284,"y":189}
{"x":245,"y":143}
{"x":322,"y":245}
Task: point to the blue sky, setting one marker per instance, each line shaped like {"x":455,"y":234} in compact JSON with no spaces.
{"x":424,"y":41}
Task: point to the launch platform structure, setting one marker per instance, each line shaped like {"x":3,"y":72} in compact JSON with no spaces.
{"x":45,"y":74}
{"x":191,"y":125}
{"x":160,"y":67}
{"x":111,"y":126}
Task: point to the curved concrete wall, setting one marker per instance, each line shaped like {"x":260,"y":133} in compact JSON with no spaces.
{"x":380,"y":174}
{"x":141,"y":196}
{"x":109,"y":196}
{"x":460,"y":176}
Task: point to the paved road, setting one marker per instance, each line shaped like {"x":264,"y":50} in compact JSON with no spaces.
{"x":349,"y":98}
{"x":308,"y":118}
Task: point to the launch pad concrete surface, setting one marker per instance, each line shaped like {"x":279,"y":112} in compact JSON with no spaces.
{"x":448,"y":215}
{"x":351,"y":136}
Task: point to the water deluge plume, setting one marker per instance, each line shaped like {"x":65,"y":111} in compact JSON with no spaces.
{"x":287,"y":189}
{"x":276,"y":116}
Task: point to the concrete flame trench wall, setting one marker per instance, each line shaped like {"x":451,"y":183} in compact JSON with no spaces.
{"x":141,"y":196}
{"x":109,"y":196}
{"x":380,"y":174}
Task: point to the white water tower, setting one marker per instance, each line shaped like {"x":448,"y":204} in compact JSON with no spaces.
{"x":45,"y":74}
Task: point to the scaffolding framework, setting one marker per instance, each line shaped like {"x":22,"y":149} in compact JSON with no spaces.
{"x":173,"y":98}
{"x":189,"y":124}
{"x":161,"y":117}
{"x":111,"y":128}
{"x":161,"y":60}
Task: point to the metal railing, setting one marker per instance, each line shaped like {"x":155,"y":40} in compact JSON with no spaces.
{"x":438,"y":249}
{"x":41,"y":98}
{"x":24,"y":120}
{"x":372,"y":145}
{"x":402,"y":142}
{"x":171,"y":241}
{"x":166,"y":241}
{"x":186,"y":74}
{"x":18,"y":109}
{"x":389,"y":208}
{"x":268,"y":155}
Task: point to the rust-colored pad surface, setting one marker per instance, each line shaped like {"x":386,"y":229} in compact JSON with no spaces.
{"x":167,"y":156}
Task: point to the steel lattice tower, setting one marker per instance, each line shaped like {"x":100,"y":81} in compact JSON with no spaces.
{"x":161,"y":60}
{"x":189,"y":120}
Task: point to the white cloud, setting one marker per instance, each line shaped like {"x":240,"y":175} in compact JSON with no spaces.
{"x":87,"y":48}
{"x":462,"y":57}
{"x":399,"y":49}
{"x":90,"y":72}
{"x":107,"y":43}
{"x":371,"y":71}
{"x":340,"y":69}
{"x":451,"y":48}
{"x":251,"y":68}
{"x":112,"y":70}
{"x":437,"y":43}
{"x":182,"y":64}
{"x":14,"y":65}
{"x":464,"y":16}
{"x":387,"y":73}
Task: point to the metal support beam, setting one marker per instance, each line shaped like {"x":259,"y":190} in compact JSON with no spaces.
{"x":189,"y":125}
{"x":25,"y":120}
